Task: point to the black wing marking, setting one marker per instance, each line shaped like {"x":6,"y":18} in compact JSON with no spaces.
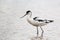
{"x":48,"y":21}
{"x":35,"y":18}
{"x":51,"y":20}
{"x":40,"y":20}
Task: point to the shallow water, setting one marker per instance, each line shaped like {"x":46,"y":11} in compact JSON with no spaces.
{"x":14,"y":28}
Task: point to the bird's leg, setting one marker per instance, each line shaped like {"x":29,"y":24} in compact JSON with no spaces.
{"x":37,"y":32}
{"x":42,"y":32}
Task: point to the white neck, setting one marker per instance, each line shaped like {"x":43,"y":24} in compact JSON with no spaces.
{"x":29,"y":15}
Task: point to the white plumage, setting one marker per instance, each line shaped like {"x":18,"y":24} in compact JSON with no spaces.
{"x":36,"y":21}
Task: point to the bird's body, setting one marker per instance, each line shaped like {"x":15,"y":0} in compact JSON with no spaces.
{"x":36,"y":21}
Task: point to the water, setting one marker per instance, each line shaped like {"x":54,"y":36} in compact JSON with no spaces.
{"x":14,"y":28}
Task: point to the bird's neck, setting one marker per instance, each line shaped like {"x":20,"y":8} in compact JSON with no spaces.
{"x":30,"y":15}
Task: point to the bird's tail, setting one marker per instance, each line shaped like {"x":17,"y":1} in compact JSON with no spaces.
{"x":51,"y":20}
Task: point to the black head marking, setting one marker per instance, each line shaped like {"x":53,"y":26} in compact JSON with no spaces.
{"x":27,"y":12}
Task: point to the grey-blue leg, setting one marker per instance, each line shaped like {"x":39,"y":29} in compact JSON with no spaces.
{"x":37,"y":32}
{"x":42,"y":32}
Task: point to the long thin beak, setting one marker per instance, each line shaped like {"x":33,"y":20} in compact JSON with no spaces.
{"x":23,"y":16}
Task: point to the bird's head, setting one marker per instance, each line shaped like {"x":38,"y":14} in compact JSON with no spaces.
{"x":27,"y":13}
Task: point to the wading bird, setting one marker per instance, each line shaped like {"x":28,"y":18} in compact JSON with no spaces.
{"x":36,"y":21}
